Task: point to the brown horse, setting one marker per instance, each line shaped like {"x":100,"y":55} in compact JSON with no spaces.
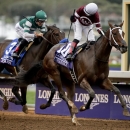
{"x":91,"y":67}
{"x":34,"y":54}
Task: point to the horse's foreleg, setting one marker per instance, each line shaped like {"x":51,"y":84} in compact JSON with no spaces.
{"x":15,"y":91}
{"x":109,"y":86}
{"x":5,"y":104}
{"x":69,"y":102}
{"x":85,"y":85}
{"x":55,"y":74}
{"x":49,"y":84}
{"x":23,"y":96}
{"x":21,"y":99}
{"x":70,"y":94}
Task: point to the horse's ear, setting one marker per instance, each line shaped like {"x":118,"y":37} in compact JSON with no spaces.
{"x":110,"y":25}
{"x":121,"y":24}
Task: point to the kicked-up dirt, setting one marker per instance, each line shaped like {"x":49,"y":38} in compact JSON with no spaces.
{"x":32,"y":121}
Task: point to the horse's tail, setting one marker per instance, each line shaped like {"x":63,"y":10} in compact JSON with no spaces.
{"x":28,"y":77}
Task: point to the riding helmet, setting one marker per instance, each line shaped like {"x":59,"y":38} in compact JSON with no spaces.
{"x":90,"y":9}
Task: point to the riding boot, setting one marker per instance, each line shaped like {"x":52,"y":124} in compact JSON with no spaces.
{"x":19,"y":48}
{"x":71,"y":50}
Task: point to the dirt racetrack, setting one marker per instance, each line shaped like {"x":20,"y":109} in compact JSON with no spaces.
{"x":32,"y":121}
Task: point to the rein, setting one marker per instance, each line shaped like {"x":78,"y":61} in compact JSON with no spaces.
{"x":109,"y":39}
{"x":52,"y":36}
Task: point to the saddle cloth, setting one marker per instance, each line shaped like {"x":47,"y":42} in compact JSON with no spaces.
{"x":7,"y":55}
{"x":60,"y":56}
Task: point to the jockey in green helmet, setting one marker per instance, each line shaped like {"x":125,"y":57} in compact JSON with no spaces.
{"x":40,"y":16}
{"x":26,"y":29}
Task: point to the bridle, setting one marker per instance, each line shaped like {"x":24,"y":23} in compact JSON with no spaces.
{"x":111,"y":37}
{"x":52,"y":31}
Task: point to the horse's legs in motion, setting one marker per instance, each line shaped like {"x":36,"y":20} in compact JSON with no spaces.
{"x":48,"y":83}
{"x":85,"y":85}
{"x":21,"y":99}
{"x":23,"y":95}
{"x":55,"y":74}
{"x":70,"y":87}
{"x":15,"y":91}
{"x":109,"y":86}
{"x":5,"y":104}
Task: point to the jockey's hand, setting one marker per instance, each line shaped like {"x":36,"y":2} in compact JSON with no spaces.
{"x":72,"y":18}
{"x":38,"y":34}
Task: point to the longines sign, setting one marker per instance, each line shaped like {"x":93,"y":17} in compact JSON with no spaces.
{"x":105,"y":104}
{"x":7,"y":90}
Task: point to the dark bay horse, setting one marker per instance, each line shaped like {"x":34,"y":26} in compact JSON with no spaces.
{"x":35,"y":53}
{"x":91,"y":67}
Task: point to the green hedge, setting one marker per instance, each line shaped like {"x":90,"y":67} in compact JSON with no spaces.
{"x":115,"y":65}
{"x":31,"y":97}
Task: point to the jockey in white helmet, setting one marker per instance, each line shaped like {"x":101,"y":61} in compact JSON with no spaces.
{"x":83,"y":20}
{"x":90,"y":9}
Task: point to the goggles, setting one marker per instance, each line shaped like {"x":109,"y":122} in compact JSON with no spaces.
{"x":40,"y":20}
{"x":87,"y":12}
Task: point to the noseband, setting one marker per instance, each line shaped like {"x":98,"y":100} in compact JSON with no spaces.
{"x":111,"y":35}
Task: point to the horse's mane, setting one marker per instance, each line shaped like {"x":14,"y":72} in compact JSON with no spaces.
{"x":100,"y":36}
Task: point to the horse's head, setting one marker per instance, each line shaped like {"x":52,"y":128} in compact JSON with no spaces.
{"x":54,"y":34}
{"x":116,"y":37}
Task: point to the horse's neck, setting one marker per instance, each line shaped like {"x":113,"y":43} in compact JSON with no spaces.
{"x":103,"y":48}
{"x":37,"y":52}
{"x":42,"y":49}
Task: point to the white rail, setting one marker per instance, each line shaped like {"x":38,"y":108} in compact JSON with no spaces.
{"x":31,"y":107}
{"x":115,"y":76}
{"x":119,"y":76}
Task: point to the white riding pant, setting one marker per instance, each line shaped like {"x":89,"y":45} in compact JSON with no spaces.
{"x":79,"y":29}
{"x":20,"y":32}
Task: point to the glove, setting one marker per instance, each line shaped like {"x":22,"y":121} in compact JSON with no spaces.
{"x":38,"y":34}
{"x":72,"y":18}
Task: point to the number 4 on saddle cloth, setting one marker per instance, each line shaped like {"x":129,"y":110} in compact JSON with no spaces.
{"x":7,"y":55}
{"x":60,"y":55}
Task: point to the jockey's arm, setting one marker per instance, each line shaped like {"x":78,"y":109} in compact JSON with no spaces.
{"x":28,"y":35}
{"x":36,"y":34}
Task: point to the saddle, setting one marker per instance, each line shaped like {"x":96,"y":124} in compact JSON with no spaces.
{"x":60,"y":55}
{"x":7,"y":55}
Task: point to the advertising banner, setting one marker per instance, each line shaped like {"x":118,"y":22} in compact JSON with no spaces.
{"x":116,"y":108}
{"x":7,"y":90}
{"x":105,"y":104}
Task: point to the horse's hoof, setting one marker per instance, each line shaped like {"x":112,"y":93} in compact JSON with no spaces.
{"x":5,"y":104}
{"x":82,"y":108}
{"x":126,"y":112}
{"x":74,"y":109}
{"x":25,"y":109}
{"x":44,"y":106}
{"x":75,"y":122}
{"x":12,"y":100}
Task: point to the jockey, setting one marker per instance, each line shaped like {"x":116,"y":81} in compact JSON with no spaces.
{"x":83,"y":20}
{"x":26,"y":29}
